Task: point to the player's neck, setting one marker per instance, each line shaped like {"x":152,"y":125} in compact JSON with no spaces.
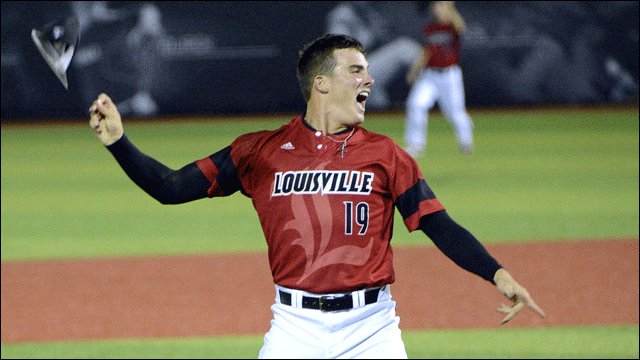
{"x":320,"y":120}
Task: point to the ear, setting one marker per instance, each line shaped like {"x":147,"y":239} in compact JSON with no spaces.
{"x":321,"y":83}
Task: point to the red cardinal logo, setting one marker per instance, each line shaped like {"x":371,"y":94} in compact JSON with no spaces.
{"x":346,"y":254}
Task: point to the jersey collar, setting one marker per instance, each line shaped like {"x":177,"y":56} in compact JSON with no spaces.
{"x":306,"y":123}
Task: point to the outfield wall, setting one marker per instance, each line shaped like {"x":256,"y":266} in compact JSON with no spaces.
{"x":168,"y":58}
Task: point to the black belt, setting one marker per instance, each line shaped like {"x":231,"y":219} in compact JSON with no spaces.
{"x":441,"y":69}
{"x":329,"y":302}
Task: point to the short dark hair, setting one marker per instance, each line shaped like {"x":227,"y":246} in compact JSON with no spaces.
{"x":317,"y":58}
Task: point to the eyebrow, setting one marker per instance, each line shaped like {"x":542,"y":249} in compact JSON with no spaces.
{"x":359,"y":67}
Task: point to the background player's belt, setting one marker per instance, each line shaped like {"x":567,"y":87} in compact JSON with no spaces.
{"x":442,"y":69}
{"x":331,"y":303}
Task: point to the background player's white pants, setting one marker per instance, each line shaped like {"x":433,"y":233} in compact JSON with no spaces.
{"x":385,"y":63}
{"x":366,"y":332}
{"x":447,"y":89}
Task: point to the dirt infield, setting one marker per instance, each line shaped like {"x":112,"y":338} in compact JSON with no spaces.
{"x":579,"y":282}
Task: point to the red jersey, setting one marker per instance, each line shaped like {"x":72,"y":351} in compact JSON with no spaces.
{"x":442,"y":41}
{"x":327,"y":219}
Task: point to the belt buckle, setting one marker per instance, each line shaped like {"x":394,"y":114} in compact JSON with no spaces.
{"x":324,"y":298}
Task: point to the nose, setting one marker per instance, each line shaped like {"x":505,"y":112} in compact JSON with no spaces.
{"x":368,"y":80}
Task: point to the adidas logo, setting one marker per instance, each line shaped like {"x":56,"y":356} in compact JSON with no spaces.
{"x":287,"y":146}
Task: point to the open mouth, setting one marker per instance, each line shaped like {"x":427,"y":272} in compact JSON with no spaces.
{"x":361,"y":99}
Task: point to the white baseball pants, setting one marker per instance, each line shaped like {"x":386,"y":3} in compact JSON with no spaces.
{"x":366,"y":331}
{"x":447,"y":88}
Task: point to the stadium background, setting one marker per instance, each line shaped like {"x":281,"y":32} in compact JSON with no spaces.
{"x":239,"y":57}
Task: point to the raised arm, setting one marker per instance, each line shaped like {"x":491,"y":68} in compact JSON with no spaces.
{"x":456,"y":19}
{"x":166,"y":185}
{"x":447,"y":12}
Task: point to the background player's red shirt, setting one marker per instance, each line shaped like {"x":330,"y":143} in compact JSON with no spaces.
{"x":442,"y":41}
{"x":327,"y":219}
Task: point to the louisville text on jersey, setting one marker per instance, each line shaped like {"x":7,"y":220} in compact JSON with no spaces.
{"x":323,"y":181}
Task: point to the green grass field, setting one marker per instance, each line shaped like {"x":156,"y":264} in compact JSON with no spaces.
{"x":608,"y":342}
{"x":535,"y":175}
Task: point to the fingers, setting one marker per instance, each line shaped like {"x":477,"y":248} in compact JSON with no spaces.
{"x":524,"y":296}
{"x":105,"y":120}
{"x":511,"y":311}
{"x":101,"y":105}
{"x":519,"y":303}
{"x":535,"y":308}
{"x":104,"y":104}
{"x":95,"y":117}
{"x":98,"y":111}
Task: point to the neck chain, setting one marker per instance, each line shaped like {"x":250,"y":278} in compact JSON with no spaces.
{"x":344,"y":142}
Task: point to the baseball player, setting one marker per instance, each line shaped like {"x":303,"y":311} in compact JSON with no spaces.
{"x":325,"y":190}
{"x":436,"y":76}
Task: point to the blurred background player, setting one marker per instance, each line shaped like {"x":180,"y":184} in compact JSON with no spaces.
{"x":436,"y":76}
{"x":390,"y":31}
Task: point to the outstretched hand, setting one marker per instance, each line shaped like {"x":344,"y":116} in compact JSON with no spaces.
{"x":516,"y":293}
{"x":105,"y":120}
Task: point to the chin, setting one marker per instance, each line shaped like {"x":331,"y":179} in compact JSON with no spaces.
{"x":357,"y":120}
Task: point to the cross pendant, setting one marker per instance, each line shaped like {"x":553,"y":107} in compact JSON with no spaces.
{"x":342,"y":151}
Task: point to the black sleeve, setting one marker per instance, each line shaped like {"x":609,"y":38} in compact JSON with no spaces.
{"x":166,"y":185}
{"x":459,"y":245}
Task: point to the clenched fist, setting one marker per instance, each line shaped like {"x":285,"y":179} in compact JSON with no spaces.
{"x":105,"y":120}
